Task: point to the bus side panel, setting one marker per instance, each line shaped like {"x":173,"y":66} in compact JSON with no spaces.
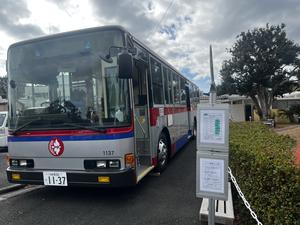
{"x":182,"y":133}
{"x":177,"y":125}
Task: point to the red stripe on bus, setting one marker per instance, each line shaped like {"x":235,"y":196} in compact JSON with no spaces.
{"x":180,"y":109}
{"x":168,"y":110}
{"x":154,"y":113}
{"x":118,"y":130}
{"x":173,"y":110}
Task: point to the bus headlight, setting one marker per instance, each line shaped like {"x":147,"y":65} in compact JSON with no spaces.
{"x":101,"y":164}
{"x":23,"y":162}
{"x":114,"y":164}
{"x":14,"y":162}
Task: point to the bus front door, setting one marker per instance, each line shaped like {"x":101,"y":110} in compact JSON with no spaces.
{"x":141,"y":119}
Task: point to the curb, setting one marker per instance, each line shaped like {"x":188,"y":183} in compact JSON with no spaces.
{"x":11,"y":188}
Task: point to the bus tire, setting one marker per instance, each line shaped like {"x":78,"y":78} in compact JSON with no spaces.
{"x":162,"y":153}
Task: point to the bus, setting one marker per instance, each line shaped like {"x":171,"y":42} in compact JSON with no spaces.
{"x":94,"y":107}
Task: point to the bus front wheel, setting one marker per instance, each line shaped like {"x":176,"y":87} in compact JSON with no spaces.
{"x":162,"y":153}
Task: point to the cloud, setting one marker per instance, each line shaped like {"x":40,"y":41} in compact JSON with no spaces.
{"x":11,"y":20}
{"x":181,"y":33}
{"x":139,"y":17}
{"x":181,"y":37}
{"x":184,"y":36}
{"x":58,"y":2}
{"x":229,"y":18}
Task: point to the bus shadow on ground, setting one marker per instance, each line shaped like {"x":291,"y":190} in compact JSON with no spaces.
{"x":147,"y":186}
{"x":96,"y":192}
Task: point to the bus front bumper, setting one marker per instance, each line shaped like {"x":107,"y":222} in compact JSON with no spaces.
{"x":122,"y":178}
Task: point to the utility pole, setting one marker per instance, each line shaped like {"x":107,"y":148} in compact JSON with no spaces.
{"x":213,"y":89}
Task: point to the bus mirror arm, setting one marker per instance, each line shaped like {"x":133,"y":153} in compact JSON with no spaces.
{"x":107,"y":58}
{"x":133,"y":51}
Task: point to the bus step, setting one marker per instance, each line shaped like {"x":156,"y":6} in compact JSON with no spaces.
{"x":143,"y":171}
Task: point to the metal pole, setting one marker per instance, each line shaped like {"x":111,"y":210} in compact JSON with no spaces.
{"x":212,"y":101}
{"x":211,"y":211}
{"x":212,"y":91}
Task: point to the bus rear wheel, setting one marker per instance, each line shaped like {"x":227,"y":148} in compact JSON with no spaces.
{"x":162,"y":153}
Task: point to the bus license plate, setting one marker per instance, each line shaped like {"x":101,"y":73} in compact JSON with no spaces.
{"x":55,"y":178}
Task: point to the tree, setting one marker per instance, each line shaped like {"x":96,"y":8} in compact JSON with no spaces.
{"x":264,"y":64}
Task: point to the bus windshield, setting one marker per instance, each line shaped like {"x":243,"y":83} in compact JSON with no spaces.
{"x":63,"y":83}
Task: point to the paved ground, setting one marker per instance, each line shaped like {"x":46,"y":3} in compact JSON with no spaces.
{"x":167,"y":199}
{"x":3,"y":166}
{"x":294,"y":132}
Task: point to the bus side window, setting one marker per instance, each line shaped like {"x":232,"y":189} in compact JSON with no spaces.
{"x":176,"y":89}
{"x":157,"y":84}
{"x":182,"y":92}
{"x":170,"y":89}
{"x":165,"y":77}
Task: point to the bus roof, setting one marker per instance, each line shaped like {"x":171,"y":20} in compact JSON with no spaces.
{"x":95,"y":29}
{"x":69,"y":33}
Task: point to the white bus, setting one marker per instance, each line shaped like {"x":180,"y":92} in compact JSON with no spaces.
{"x":94,"y":107}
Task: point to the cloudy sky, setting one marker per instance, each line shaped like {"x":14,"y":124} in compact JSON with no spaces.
{"x":179,"y":30}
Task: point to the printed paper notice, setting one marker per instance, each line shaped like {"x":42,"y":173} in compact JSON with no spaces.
{"x":212,"y":126}
{"x":212,"y":175}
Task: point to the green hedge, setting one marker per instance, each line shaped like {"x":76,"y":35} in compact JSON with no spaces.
{"x":263,"y":164}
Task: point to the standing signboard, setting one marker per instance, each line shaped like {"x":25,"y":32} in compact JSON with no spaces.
{"x":214,"y":126}
{"x":212,"y":175}
{"x":212,"y":151}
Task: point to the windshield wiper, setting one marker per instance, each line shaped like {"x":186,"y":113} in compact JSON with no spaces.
{"x":20,"y":128}
{"x":98,"y":129}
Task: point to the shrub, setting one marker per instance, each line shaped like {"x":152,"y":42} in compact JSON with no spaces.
{"x":263,"y":164}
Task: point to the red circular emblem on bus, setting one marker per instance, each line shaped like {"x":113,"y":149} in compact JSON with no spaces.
{"x":56,"y":147}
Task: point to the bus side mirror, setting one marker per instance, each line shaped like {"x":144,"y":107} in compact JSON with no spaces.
{"x":125,"y":65}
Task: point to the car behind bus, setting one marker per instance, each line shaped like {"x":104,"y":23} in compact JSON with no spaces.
{"x":3,"y":131}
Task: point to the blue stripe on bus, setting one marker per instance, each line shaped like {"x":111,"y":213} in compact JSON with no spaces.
{"x":72,"y":138}
{"x":182,"y":141}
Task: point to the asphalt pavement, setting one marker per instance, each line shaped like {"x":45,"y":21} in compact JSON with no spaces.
{"x":167,"y":199}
